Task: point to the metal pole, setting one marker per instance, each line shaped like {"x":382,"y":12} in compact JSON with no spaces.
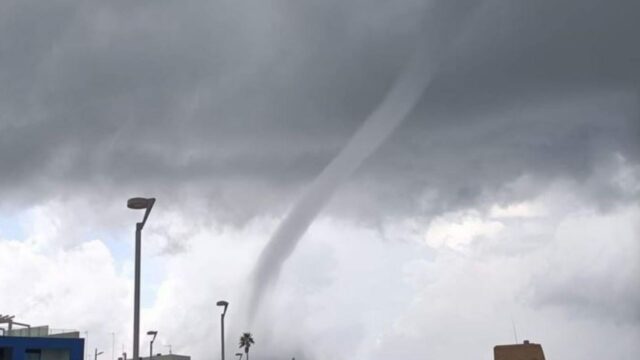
{"x":86,"y":345}
{"x":222,"y":333}
{"x":150,"y":349}
{"x":136,"y":295}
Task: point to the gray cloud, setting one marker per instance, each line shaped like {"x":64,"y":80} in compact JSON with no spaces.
{"x":588,"y":284}
{"x":215,"y":94}
{"x":237,"y":106}
{"x":234,"y":107}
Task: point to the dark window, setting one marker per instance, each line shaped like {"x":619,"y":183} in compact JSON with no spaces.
{"x":33,"y":354}
{"x":5,"y":353}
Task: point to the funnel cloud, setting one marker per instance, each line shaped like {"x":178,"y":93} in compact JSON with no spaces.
{"x":396,"y":106}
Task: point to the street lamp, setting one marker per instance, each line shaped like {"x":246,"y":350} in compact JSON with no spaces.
{"x":95,"y":355}
{"x":239,"y":355}
{"x":224,"y":304}
{"x":154,"y":333}
{"x":86,"y":345}
{"x":138,"y":203}
{"x":113,"y":345}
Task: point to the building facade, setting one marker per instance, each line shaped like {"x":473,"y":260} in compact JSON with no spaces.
{"x":167,"y":357}
{"x":40,"y":344}
{"x":524,"y":351}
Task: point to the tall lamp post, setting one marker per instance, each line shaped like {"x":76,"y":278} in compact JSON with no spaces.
{"x":224,"y":304}
{"x":113,"y":345}
{"x":154,"y":334}
{"x":138,"y":203}
{"x":96,"y":353}
{"x":239,"y":355}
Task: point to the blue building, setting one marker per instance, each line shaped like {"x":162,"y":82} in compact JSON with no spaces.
{"x":40,"y":344}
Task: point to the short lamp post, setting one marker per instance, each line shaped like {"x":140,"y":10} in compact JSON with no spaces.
{"x":96,"y":353}
{"x":239,"y":355}
{"x":154,"y":334}
{"x":224,"y":304}
{"x":138,"y":204}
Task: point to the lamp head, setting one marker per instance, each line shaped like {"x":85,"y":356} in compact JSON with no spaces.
{"x":224,"y":304}
{"x":154,"y":333}
{"x":139,"y":203}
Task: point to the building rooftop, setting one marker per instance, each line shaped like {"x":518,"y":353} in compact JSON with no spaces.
{"x":9,"y":324}
{"x":166,"y":357}
{"x":524,"y":351}
{"x":40,"y":331}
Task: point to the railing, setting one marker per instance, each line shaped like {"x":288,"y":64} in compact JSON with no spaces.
{"x":58,"y":332}
{"x":39,"y":331}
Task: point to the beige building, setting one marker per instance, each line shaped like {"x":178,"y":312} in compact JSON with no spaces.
{"x":524,"y":351}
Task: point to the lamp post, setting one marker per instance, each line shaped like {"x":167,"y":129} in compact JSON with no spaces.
{"x":154,"y":334}
{"x":239,"y":355}
{"x":96,"y":353}
{"x":113,"y":345}
{"x":224,"y":304}
{"x":86,"y":345}
{"x":138,"y":204}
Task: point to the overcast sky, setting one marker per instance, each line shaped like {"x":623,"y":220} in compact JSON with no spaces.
{"x":509,"y":195}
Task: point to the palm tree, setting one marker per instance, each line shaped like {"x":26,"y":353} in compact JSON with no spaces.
{"x":245,"y":341}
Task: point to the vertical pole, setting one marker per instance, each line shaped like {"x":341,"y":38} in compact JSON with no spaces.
{"x":222,"y":333}
{"x":86,"y":346}
{"x":136,"y":295}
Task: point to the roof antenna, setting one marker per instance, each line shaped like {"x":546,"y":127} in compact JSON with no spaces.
{"x":515,"y":333}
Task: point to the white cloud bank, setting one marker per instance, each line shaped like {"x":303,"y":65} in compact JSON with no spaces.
{"x":448,"y":287}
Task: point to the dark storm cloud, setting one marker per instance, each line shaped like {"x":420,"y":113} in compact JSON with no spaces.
{"x":223,"y":97}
